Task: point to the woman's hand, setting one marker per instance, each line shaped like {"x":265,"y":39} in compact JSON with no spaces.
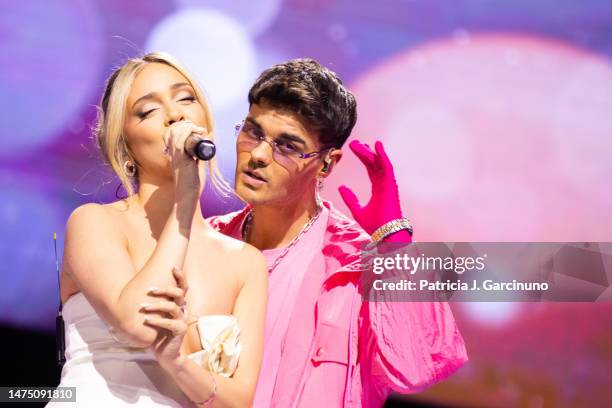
{"x":186,"y":170}
{"x":167,"y":348}
{"x":384,"y":204}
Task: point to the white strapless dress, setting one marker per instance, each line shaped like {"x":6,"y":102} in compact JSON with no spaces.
{"x":109,"y":373}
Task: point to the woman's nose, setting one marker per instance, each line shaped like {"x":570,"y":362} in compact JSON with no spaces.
{"x":173,"y":117}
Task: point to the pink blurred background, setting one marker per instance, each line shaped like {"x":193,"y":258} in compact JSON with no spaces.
{"x":496,"y":115}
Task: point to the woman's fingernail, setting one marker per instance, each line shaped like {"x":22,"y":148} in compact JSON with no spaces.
{"x":145,"y":305}
{"x":152,"y":289}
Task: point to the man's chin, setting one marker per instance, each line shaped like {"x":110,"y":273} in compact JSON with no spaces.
{"x":249,"y":194}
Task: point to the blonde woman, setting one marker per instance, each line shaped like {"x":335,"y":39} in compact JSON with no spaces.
{"x":135,"y":335}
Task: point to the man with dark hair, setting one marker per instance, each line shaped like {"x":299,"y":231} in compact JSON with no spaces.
{"x":323,"y":343}
{"x":312,"y":91}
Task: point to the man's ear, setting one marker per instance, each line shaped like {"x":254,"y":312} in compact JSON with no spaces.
{"x":329,"y":161}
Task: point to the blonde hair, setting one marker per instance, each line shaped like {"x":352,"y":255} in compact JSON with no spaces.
{"x":108,"y":132}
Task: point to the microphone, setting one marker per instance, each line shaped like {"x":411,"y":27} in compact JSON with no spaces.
{"x":200,"y":148}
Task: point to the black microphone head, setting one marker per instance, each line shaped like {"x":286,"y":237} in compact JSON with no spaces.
{"x":205,"y":149}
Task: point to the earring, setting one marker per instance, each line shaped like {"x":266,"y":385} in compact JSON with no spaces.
{"x":130,"y":168}
{"x":318,"y":191}
{"x":320,"y":183}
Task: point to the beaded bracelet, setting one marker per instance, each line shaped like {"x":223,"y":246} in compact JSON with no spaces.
{"x":213,"y":395}
{"x":392,"y":227}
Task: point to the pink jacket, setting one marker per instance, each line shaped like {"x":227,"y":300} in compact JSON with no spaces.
{"x":384,"y":347}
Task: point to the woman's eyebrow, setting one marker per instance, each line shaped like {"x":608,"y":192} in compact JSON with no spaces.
{"x":180,"y":85}
{"x":150,"y":95}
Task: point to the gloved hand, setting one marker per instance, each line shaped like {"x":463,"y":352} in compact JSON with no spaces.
{"x":384,"y":204}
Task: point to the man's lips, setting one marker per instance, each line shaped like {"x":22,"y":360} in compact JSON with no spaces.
{"x":254,"y":174}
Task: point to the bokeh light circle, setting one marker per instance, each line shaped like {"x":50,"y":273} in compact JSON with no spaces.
{"x":447,"y":142}
{"x":213,"y":46}
{"x":494,"y":314}
{"x":254,"y":16}
{"x":50,"y":66}
{"x":583,"y":133}
{"x":28,"y":267}
{"x":499,"y":138}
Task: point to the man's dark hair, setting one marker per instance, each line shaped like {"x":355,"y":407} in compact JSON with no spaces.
{"x":312,"y":91}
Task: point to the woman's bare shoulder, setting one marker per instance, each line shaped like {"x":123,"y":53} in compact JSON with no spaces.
{"x":229,"y":245}
{"x":92,"y":229}
{"x":238,"y":253}
{"x":105,"y":217}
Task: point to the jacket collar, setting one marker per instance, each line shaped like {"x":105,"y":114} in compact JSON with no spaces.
{"x":343,"y":242}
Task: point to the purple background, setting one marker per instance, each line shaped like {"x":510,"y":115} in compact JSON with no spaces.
{"x":495,"y":114}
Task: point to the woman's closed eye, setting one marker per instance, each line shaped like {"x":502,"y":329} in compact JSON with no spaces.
{"x":146,"y":113}
{"x":188,"y":99}
{"x":186,"y":96}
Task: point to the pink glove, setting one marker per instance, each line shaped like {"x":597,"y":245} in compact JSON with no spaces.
{"x":384,"y":205}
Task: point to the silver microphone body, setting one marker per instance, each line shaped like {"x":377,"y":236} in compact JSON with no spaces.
{"x":200,"y":148}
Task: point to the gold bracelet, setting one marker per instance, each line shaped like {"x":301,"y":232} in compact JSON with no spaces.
{"x":213,"y":395}
{"x":392,"y":227}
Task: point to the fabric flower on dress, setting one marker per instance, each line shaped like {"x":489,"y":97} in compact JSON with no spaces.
{"x":221,"y":347}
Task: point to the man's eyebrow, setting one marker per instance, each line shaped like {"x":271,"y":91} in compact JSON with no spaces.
{"x":252,"y":122}
{"x":284,"y":135}
{"x":293,"y":138}
{"x":152,"y":95}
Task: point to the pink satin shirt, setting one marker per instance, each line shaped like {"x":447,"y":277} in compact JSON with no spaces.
{"x":325,"y":345}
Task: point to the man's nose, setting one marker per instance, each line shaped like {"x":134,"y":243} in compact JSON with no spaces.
{"x":262,"y":153}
